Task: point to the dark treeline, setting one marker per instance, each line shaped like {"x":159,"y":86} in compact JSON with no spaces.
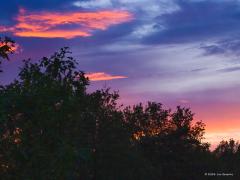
{"x":52,"y":128}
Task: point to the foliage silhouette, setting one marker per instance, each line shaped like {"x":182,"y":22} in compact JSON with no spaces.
{"x":7,"y":46}
{"x":52,"y":128}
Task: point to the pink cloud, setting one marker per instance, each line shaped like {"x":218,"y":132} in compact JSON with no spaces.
{"x":50,"y":24}
{"x":102,"y":76}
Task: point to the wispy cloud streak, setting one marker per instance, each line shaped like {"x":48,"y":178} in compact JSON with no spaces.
{"x":102,"y":76}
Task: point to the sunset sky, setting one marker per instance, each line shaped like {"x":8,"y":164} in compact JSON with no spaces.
{"x":177,"y":52}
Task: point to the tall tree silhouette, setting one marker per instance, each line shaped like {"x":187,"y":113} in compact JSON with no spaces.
{"x":36,"y":113}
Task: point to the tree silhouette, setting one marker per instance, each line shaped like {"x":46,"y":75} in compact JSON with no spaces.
{"x":6,"y":47}
{"x":227,"y":155}
{"x":36,"y":116}
{"x":51,"y":127}
{"x":168,"y":139}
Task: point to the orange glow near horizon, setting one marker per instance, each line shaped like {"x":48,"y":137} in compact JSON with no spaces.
{"x":222,"y":121}
{"x":101,"y":76}
{"x":77,"y":24}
